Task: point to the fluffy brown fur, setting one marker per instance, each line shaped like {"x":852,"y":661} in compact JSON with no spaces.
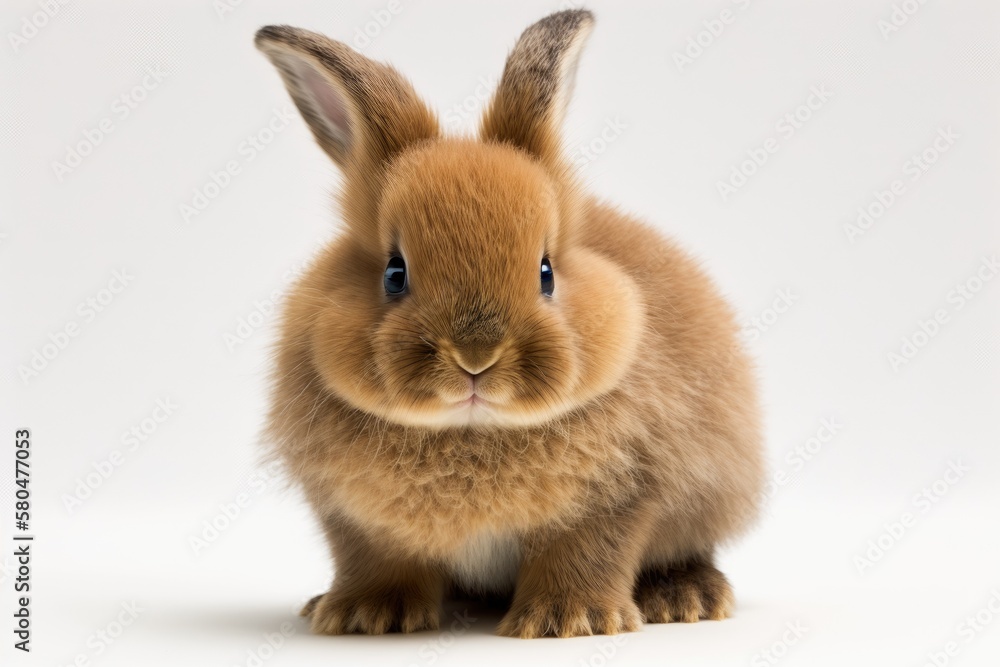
{"x":584,"y":452}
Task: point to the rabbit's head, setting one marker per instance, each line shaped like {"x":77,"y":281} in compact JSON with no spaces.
{"x":463,"y":291}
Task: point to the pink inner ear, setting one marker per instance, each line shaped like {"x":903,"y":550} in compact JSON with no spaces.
{"x":330,"y":105}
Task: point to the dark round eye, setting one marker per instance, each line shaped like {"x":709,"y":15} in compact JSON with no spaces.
{"x":548,"y":278}
{"x":395,"y":276}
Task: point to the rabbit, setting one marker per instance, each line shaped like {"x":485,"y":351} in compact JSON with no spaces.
{"x":491,"y":385}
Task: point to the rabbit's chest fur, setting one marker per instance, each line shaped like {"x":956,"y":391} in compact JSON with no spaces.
{"x":487,"y":562}
{"x":461,"y":495}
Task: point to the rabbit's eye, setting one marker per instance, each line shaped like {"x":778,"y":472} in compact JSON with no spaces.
{"x":395,"y":276}
{"x":548,"y":278}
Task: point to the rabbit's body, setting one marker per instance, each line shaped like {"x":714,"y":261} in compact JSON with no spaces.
{"x":610,"y":441}
{"x":462,"y":497}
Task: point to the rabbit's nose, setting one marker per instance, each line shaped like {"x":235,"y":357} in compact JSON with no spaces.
{"x":476,"y":360}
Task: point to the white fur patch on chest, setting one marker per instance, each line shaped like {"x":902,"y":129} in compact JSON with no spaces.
{"x":487,"y":563}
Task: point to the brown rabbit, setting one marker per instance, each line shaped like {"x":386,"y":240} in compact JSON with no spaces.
{"x":490,"y":383}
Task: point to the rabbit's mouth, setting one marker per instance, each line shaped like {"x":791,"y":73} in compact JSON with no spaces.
{"x":473,"y":400}
{"x":474,"y":410}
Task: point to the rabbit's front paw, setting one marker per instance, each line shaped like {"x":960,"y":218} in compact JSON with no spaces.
{"x":570,"y":616}
{"x":371,"y":612}
{"x":684,"y":594}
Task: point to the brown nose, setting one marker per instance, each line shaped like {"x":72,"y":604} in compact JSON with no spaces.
{"x":477,"y":333}
{"x":476,"y":359}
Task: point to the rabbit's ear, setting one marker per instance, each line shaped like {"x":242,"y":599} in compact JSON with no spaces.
{"x":361,"y":112}
{"x":528,"y":107}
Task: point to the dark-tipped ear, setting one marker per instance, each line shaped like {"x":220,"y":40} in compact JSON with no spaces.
{"x":361,"y":112}
{"x":528,"y":107}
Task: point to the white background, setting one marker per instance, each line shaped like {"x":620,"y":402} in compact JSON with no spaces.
{"x":681,"y":130}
